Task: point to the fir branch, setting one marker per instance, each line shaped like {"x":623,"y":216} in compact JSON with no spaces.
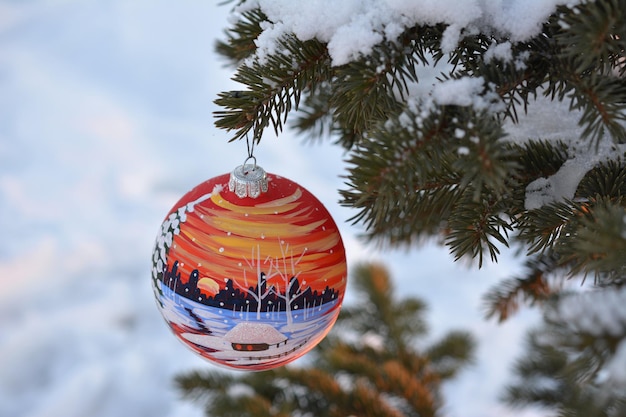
{"x":274,"y":87}
{"x":534,"y":159}
{"x":398,"y":321}
{"x":599,"y":246}
{"x":607,"y":180}
{"x":347,"y":378}
{"x":240,"y":39}
{"x":417,"y":171}
{"x":416,"y":391}
{"x":314,"y":119}
{"x":539,"y":159}
{"x":603,"y":102}
{"x":565,"y":367}
{"x":197,"y":385}
{"x":544,"y":227}
{"x":256,"y":406}
{"x":401,"y":178}
{"x":366,"y":402}
{"x":593,"y":36}
{"x":360,"y":399}
{"x":519,"y":78}
{"x":473,"y":228}
{"x":487,"y":162}
{"x":539,"y":381}
{"x":467,"y":56}
{"x":451,"y":354}
{"x":369,"y":91}
{"x":535,"y":286}
{"x":391,"y":377}
{"x":361,"y":97}
{"x":586,"y":235}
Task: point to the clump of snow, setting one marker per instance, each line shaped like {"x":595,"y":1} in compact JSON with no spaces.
{"x":353,"y":27}
{"x":467,"y":91}
{"x":458,"y":92}
{"x":554,"y":121}
{"x":563,"y":184}
{"x":501,"y":51}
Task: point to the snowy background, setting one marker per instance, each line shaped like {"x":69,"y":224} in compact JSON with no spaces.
{"x":105,"y":121}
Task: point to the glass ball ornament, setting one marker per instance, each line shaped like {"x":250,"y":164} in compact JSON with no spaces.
{"x":249,"y":270}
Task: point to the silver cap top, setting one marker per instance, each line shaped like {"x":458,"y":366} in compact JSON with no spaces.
{"x":248,"y":180}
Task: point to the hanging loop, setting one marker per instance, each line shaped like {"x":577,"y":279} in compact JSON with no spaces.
{"x":246,"y":165}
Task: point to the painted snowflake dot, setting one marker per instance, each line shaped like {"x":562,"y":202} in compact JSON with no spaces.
{"x":249,"y":282}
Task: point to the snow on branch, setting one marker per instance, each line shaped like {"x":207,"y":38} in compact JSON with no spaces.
{"x":351,"y":28}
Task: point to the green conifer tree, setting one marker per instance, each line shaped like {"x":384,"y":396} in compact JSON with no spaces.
{"x":425,"y":168}
{"x":369,"y":365}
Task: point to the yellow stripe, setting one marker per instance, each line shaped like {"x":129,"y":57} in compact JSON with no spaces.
{"x":280,"y":205}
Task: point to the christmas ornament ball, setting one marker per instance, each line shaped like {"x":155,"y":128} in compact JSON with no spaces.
{"x":249,"y":270}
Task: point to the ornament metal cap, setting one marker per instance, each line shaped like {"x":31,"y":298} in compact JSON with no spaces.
{"x":248,"y":180}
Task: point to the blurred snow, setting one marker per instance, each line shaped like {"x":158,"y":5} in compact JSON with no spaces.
{"x":105,"y":121}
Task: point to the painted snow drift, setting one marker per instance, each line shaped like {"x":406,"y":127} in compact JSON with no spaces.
{"x":249,"y":283}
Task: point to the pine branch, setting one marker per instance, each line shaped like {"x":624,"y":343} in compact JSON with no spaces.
{"x":391,"y":377}
{"x":274,"y":87}
{"x":451,"y":354}
{"x":586,"y":236}
{"x":543,"y":379}
{"x":603,"y":102}
{"x":549,"y":225}
{"x":197,"y":385}
{"x":396,"y":175}
{"x":314,"y":119}
{"x":368,"y":92}
{"x":607,"y":180}
{"x":584,"y":48}
{"x":473,"y":228}
{"x":600,"y":242}
{"x":398,"y":321}
{"x":240,"y":39}
{"x":361,"y":400}
{"x":570,"y":363}
{"x":594,"y":35}
{"x":503,"y":300}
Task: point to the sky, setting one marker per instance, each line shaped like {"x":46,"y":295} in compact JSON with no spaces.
{"x":105,"y":122}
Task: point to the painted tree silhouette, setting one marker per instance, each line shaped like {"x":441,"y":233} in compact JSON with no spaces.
{"x":286,"y":269}
{"x":262,"y":291}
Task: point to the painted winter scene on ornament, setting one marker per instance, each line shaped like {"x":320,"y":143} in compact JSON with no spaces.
{"x":249,"y":274}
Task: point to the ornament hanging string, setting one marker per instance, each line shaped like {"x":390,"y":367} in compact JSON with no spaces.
{"x":250,"y":146}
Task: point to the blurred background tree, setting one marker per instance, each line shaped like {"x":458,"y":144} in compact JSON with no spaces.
{"x":375,"y":362}
{"x":447,"y":165}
